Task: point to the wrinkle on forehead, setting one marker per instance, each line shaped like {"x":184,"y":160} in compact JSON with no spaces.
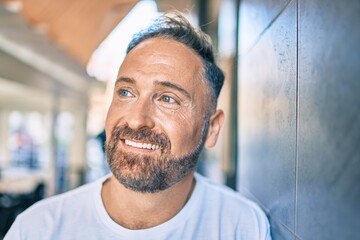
{"x":168,"y":52}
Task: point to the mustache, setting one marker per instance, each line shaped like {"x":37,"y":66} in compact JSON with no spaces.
{"x":144,"y":135}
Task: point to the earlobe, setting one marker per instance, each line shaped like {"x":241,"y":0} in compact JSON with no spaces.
{"x":216,"y":122}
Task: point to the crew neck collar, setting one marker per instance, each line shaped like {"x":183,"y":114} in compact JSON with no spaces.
{"x":159,"y":230}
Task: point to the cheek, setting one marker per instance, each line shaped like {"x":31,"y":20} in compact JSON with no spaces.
{"x":110,"y":121}
{"x":184,"y":133}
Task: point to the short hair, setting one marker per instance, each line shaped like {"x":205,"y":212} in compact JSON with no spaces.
{"x":176,"y":27}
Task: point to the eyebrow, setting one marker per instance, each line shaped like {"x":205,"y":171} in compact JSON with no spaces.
{"x":173,"y":86}
{"x":125,"y":79}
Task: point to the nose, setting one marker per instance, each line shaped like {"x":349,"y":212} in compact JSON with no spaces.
{"x":140,"y":115}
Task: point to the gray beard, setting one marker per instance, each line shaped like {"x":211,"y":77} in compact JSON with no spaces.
{"x":146,"y":174}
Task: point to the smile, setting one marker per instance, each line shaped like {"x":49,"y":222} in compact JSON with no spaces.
{"x":142,"y":145}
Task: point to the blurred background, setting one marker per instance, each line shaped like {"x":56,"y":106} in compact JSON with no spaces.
{"x":291,"y":140}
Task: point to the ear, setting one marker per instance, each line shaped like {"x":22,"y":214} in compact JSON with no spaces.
{"x":216,"y":122}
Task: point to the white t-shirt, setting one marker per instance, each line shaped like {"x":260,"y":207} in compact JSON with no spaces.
{"x":212,"y":212}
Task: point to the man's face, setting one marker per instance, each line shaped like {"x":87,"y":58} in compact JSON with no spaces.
{"x":157,"y":122}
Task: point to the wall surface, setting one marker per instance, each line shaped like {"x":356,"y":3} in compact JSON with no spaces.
{"x":299,"y":115}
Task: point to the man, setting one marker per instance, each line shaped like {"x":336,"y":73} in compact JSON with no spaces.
{"x":162,"y":114}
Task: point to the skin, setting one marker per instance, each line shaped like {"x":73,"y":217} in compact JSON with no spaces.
{"x":159,"y":87}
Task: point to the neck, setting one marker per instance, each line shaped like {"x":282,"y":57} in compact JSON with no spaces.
{"x":135,"y":210}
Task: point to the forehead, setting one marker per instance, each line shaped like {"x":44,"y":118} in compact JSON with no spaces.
{"x":163,"y":59}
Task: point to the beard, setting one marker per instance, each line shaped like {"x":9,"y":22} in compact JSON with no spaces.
{"x":145,"y":173}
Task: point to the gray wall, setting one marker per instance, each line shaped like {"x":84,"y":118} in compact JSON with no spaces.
{"x":299,"y":115}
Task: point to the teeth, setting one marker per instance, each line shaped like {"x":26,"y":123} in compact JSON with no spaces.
{"x":142,"y":145}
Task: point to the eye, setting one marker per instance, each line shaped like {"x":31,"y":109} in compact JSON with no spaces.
{"x":125,"y":93}
{"x":167,"y":99}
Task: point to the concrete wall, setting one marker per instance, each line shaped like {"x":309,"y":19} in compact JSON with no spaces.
{"x":299,"y":115}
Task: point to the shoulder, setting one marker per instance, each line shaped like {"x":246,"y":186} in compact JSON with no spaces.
{"x":225,"y":194}
{"x":54,"y":211}
{"x":58,"y":202}
{"x":233,"y":208}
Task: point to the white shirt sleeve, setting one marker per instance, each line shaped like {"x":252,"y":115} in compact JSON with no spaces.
{"x":14,"y":231}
